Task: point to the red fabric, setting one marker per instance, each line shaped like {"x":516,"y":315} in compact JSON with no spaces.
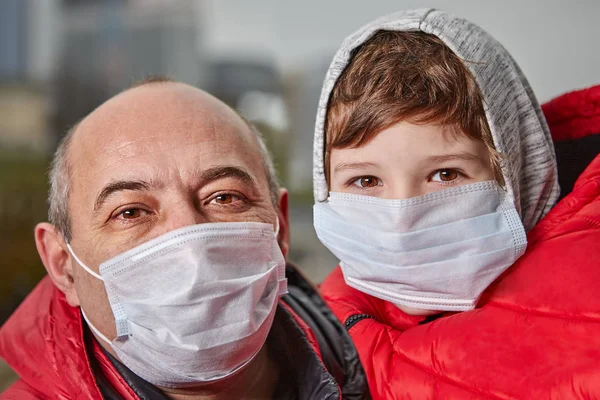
{"x":536,"y":331}
{"x":574,"y":115}
{"x":310,"y":336}
{"x":110,"y":373}
{"x":43,"y":342}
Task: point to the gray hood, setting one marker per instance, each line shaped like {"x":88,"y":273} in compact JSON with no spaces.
{"x":518,"y":126}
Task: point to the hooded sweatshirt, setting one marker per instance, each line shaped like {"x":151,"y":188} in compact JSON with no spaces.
{"x":516,"y":121}
{"x":536,"y":330}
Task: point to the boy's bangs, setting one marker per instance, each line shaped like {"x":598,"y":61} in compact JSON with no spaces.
{"x":405,"y":77}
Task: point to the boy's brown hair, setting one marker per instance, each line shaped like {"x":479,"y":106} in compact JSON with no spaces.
{"x":405,"y":76}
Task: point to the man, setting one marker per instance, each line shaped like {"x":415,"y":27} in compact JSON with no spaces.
{"x":165,"y":259}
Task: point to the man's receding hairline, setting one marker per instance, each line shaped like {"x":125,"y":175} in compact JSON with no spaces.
{"x":254,"y":133}
{"x":68,"y":143}
{"x":61,"y":169}
{"x":151,"y":80}
{"x":148,"y":81}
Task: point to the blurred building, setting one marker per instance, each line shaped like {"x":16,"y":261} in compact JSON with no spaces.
{"x":28,"y":39}
{"x":253,"y":86}
{"x":58,"y":61}
{"x":12,"y":39}
{"x":108,"y":45}
{"x":304,"y":90}
{"x":27,"y":43}
{"x":23,"y":119}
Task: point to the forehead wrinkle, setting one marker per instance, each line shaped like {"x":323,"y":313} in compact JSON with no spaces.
{"x":146,"y":151}
{"x":195,"y":119}
{"x":157,"y":107}
{"x":125,"y":148}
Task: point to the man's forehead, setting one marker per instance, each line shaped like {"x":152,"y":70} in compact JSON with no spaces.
{"x":156,"y":118}
{"x":157,"y":106}
{"x":158,"y":113}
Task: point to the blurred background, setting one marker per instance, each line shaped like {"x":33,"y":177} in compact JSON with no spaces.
{"x":59,"y":59}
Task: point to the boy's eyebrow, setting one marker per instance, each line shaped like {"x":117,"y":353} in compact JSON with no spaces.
{"x":356,"y":165}
{"x":464,"y":156}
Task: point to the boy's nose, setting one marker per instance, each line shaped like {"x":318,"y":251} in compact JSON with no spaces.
{"x":404,"y":190}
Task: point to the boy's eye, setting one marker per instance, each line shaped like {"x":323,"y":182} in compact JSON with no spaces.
{"x":368,"y":181}
{"x":445,"y":175}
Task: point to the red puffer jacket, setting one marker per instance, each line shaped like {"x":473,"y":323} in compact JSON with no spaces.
{"x":46,"y":342}
{"x":536,"y":331}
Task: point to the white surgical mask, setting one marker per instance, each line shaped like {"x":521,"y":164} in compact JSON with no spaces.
{"x":194,"y":305}
{"x":435,"y":252}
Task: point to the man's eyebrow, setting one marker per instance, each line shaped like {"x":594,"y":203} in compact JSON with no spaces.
{"x":226,"y":171}
{"x":463,"y":156}
{"x":357,"y":165}
{"x":119,"y":186}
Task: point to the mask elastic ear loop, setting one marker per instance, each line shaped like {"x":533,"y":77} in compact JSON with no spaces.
{"x":85,"y":267}
{"x":282,"y":282}
{"x":93,"y":328}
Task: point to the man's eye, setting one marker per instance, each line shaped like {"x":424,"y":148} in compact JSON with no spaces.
{"x":445,"y":175}
{"x":132,"y":213}
{"x":226,"y":198}
{"x":367,"y":181}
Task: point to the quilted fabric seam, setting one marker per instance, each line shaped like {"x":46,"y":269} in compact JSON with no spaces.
{"x":530,"y":312}
{"x":443,"y":377}
{"x":548,"y":230}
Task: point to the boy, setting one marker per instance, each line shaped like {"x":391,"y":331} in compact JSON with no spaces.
{"x":434,"y":174}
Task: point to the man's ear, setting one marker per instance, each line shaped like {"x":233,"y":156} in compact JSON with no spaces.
{"x":54,"y":254}
{"x":284,"y":222}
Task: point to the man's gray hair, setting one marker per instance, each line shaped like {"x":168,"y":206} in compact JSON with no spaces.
{"x":60,"y":184}
{"x":60,"y":177}
{"x":268,"y":165}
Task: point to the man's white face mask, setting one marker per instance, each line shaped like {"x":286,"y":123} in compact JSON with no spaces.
{"x":435,"y":252}
{"x":194,"y":305}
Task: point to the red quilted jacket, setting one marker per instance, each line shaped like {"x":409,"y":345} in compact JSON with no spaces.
{"x":536,"y":331}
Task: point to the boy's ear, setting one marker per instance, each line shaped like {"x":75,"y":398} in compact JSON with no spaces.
{"x":52,"y":250}
{"x":284,"y":222}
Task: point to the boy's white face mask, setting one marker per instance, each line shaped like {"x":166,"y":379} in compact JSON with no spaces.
{"x":436,"y":252}
{"x":194,"y":305}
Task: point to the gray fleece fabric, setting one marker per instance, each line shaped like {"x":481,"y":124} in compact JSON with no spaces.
{"x":518,"y":126}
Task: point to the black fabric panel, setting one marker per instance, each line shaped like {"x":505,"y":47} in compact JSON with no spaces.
{"x":317,"y":323}
{"x":573,"y":157}
{"x":143,"y":389}
{"x":306,"y":377}
{"x":338,"y":351}
{"x":106,"y":389}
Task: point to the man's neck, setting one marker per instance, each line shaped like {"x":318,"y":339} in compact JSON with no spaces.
{"x":256,"y":381}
